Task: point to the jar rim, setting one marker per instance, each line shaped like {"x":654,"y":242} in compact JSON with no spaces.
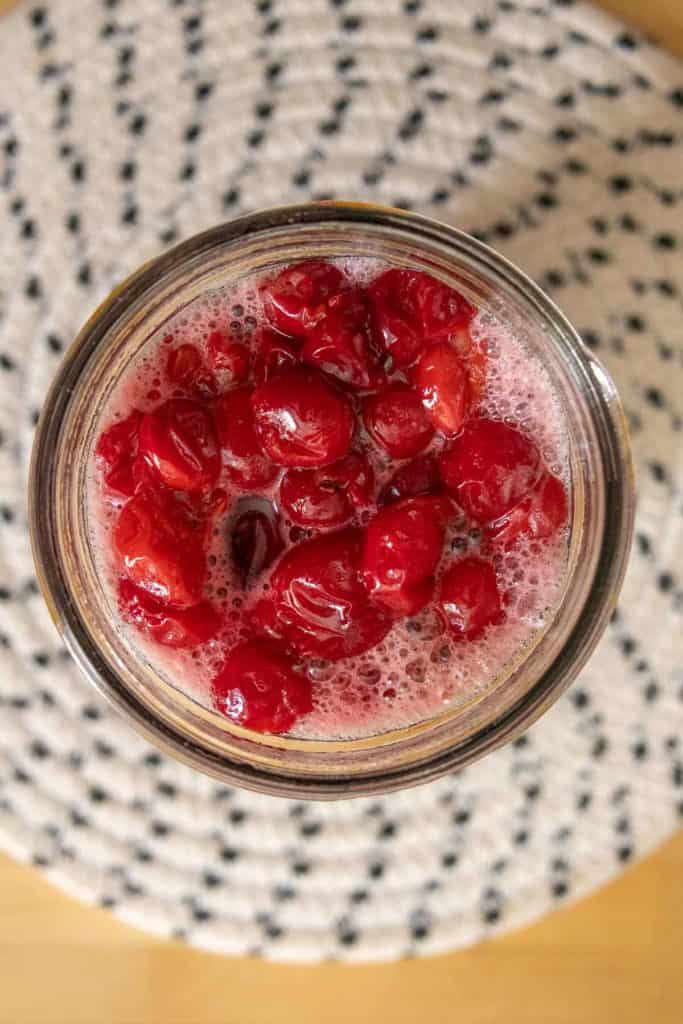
{"x":614,"y":546}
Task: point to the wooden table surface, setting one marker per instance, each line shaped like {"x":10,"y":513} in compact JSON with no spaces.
{"x":614,"y":957}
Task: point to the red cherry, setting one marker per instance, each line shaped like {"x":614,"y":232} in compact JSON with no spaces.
{"x":396,"y":316}
{"x":301,"y":420}
{"x":186,"y":370}
{"x":489,"y":468}
{"x":328,"y":496}
{"x":258,"y":688}
{"x":171,"y":627}
{"x":469,"y":599}
{"x":178,"y":443}
{"x":339,"y":343}
{"x":397,"y":421}
{"x":159,"y":542}
{"x":403,"y":545}
{"x":272,"y":353}
{"x":316,"y":602}
{"x":442,"y":382}
{"x":255,"y":540}
{"x":243,"y":456}
{"x":421,"y":476}
{"x":294,"y":299}
{"x":474,"y":359}
{"x":229,"y":355}
{"x":442,"y":309}
{"x":538,"y":516}
{"x":116,"y":452}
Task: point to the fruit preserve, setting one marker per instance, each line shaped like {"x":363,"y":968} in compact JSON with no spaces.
{"x":332,"y":499}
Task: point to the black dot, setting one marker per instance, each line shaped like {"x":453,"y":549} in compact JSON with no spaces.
{"x":273,"y":71}
{"x":665,"y":241}
{"x":550,"y":52}
{"x":560,"y":889}
{"x":153,"y":760}
{"x":160,"y":828}
{"x":130,"y":215}
{"x":201,"y":914}
{"x":167,"y":789}
{"x":461,"y":817}
{"x":565,"y":99}
{"x":237,"y":816}
{"x":263,"y":110}
{"x":345,"y":64}
{"x":449,"y":860}
{"x":6,"y":363}
{"x":203,"y":90}
{"x":491,"y":915}
{"x":41,"y":659}
{"x":412,"y":6}
{"x":575,"y":166}
{"x":500,"y":60}
{"x":481,"y":25}
{"x":359,"y":896}
{"x":665,"y":582}
{"x":599,"y":747}
{"x":428,"y":34}
{"x":580,"y":698}
{"x":231,"y":197}
{"x":73,"y":223}
{"x":98,"y":795}
{"x":33,"y":289}
{"x":211,"y":880}
{"x":376,"y":870}
{"x":311,"y":828}
{"x":37,"y":16}
{"x":624,"y":853}
{"x":654,"y":397}
{"x":677,"y":774}
{"x":302,"y":178}
{"x":229,"y":854}
{"x":508,"y":124}
{"x":137,"y":124}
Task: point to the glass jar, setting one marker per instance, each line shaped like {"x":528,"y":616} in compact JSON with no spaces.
{"x":602,"y":502}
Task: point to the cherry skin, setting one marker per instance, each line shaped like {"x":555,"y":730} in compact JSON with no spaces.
{"x":489,"y":468}
{"x":185,"y":368}
{"x":272,"y":353}
{"x":258,"y":688}
{"x":443,"y":384}
{"x":160,"y":544}
{"x":421,"y":476}
{"x":301,"y":420}
{"x":294,"y":300}
{"x":395,"y":315}
{"x":339,"y":344}
{"x":316,"y":603}
{"x":473,"y":355}
{"x":116,"y":452}
{"x":469,"y":600}
{"x":443,"y":310}
{"x":328,"y":496}
{"x":255,"y":538}
{"x":229,"y":355}
{"x":538,"y":516}
{"x":396,"y":420}
{"x":403,"y":546}
{"x":170,"y":627}
{"x":243,"y":457}
{"x":178,"y":443}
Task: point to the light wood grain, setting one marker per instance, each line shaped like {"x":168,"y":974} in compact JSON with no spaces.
{"x":614,"y":957}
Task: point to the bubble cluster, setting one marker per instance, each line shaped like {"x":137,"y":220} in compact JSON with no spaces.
{"x":418,"y":671}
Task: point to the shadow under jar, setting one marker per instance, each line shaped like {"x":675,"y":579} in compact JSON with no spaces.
{"x":600,"y":514}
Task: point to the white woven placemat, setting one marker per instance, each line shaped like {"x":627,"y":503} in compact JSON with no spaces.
{"x":549,"y":130}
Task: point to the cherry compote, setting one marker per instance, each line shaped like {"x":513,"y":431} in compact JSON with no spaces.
{"x":333,"y":500}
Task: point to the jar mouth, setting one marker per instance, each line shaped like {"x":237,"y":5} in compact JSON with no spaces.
{"x":308,"y":768}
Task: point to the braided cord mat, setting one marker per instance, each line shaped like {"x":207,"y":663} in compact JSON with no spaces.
{"x":547,"y":129}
